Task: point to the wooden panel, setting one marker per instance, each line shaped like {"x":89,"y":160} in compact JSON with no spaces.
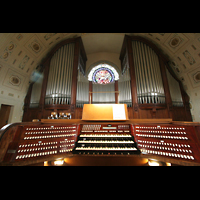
{"x":130,"y":112}
{"x":101,"y":112}
{"x":78,"y":113}
{"x":130,"y":121}
{"x":179,"y":114}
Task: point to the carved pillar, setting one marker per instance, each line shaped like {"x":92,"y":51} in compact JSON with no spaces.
{"x":168,"y":99}
{"x":74,"y":78}
{"x":133,"y":79}
{"x":186,"y":103}
{"x":43,"y":90}
{"x":90,"y":90}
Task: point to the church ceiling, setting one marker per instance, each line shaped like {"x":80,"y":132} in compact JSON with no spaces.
{"x":21,"y":53}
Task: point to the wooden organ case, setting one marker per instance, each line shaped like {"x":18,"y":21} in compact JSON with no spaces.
{"x":54,"y":86}
{"x":156,"y":92}
{"x":147,"y":84}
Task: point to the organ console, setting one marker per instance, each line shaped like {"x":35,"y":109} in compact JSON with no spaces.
{"x":109,"y":139}
{"x":77,"y":142}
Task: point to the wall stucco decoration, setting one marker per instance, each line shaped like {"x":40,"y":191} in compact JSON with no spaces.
{"x":13,"y":80}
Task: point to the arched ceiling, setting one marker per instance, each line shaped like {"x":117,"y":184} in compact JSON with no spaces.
{"x":103,"y":42}
{"x":21,"y":53}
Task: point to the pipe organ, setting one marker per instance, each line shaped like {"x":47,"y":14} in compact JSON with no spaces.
{"x":145,"y":83}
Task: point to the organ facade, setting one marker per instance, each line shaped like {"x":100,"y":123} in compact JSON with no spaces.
{"x":145,"y":83}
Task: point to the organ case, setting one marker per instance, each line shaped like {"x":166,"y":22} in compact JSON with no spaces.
{"x":144,"y":84}
{"x":59,"y":89}
{"x":151,"y":92}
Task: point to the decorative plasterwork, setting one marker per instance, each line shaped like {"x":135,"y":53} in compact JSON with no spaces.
{"x":194,"y":77}
{"x":175,"y":42}
{"x":13,"y":80}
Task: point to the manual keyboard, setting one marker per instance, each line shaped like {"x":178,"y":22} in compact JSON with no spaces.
{"x":106,"y":144}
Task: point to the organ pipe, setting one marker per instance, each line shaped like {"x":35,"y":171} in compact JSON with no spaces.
{"x":174,"y":89}
{"x":125,"y":88}
{"x":106,"y":97}
{"x":148,"y":76}
{"x":82,"y":90}
{"x":60,"y":76}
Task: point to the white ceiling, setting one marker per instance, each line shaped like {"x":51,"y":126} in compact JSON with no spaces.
{"x":21,"y":53}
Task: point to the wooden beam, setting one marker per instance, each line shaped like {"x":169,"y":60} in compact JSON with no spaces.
{"x":168,"y":98}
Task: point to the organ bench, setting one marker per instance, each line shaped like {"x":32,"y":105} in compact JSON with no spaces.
{"x":77,"y":142}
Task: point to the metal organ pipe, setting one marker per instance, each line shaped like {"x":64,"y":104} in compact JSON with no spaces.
{"x":60,"y":76}
{"x":148,"y":76}
{"x":154,"y":76}
{"x":82,"y":90}
{"x":146,"y":73}
{"x":142,"y":82}
{"x":153,"y":72}
{"x":61,"y":85}
{"x":174,"y":89}
{"x":71,"y":50}
{"x":65,"y":69}
{"x":137,"y":71}
{"x":103,"y":97}
{"x":139,"y":76}
{"x":125,"y":89}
